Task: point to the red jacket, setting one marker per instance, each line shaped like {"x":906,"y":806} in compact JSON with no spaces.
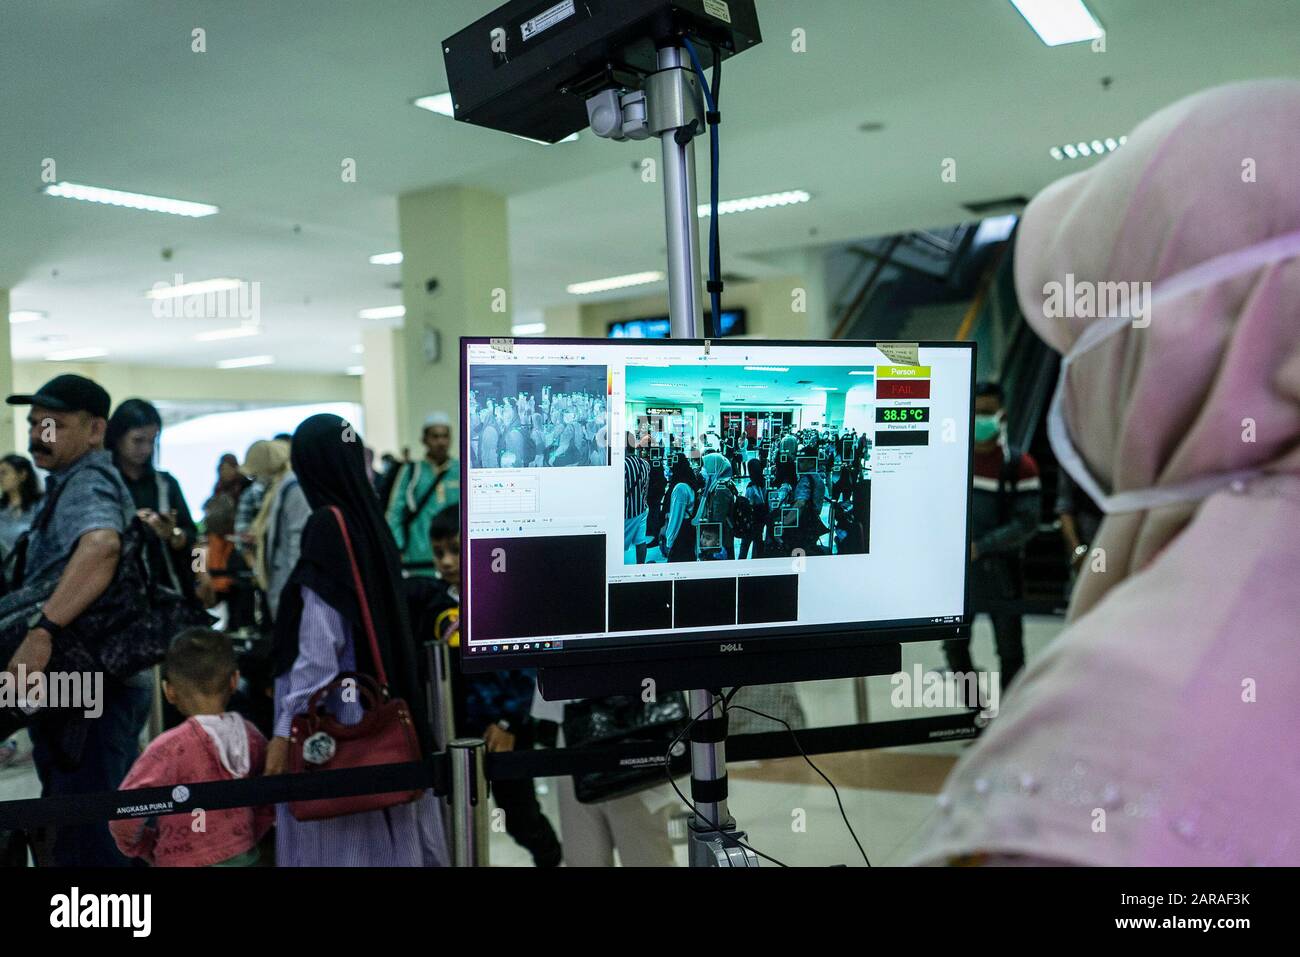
{"x":184,"y":755}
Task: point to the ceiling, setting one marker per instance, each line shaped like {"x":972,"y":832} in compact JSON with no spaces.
{"x":260,"y":123}
{"x":755,"y":385}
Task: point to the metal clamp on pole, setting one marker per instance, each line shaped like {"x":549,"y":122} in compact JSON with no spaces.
{"x":670,"y":107}
{"x":469,"y":803}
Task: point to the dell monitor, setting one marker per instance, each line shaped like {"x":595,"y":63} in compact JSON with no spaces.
{"x":599,"y":533}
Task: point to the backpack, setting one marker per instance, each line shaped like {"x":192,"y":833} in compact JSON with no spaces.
{"x":743,"y":516}
{"x":126,"y":629}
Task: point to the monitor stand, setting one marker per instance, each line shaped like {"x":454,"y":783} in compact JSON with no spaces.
{"x":713,"y":835}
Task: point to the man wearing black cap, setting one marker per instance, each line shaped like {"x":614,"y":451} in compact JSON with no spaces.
{"x":77,"y":542}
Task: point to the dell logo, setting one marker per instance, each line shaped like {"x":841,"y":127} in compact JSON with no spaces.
{"x":735,"y":647}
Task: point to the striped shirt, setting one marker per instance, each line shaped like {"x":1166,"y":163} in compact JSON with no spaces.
{"x":636,"y":485}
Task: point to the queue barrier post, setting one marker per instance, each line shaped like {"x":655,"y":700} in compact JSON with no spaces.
{"x":469,"y":803}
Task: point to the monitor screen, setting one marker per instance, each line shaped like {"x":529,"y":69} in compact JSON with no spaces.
{"x":603,"y":516}
{"x":734,"y":323}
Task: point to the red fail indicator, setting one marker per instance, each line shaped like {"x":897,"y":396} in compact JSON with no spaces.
{"x":902,"y":388}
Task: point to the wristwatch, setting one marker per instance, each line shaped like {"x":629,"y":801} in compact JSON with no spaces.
{"x":39,"y":620}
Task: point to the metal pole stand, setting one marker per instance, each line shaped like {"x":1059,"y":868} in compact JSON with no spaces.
{"x":671,"y":107}
{"x":469,"y":803}
{"x":712,"y":846}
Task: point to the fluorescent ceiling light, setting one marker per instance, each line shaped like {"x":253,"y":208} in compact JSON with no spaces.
{"x":767,"y":369}
{"x":116,"y":197}
{"x":356,"y":370}
{"x":441,"y":103}
{"x":236,"y":332}
{"x":529,"y":329}
{"x":383,"y":312}
{"x":1087,"y":148}
{"x":246,"y":362}
{"x":752,"y":203}
{"x":616,"y":282}
{"x":200,"y":288}
{"x":1060,"y":21}
{"x":359,"y":349}
{"x":861,"y":373}
{"x":70,"y":355}
{"x":825,"y":388}
{"x":25,"y":315}
{"x":386,"y":259}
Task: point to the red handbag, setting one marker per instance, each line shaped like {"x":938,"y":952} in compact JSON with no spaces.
{"x":384,"y":735}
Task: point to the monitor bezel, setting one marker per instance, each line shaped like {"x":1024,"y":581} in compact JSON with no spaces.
{"x":669,"y":645}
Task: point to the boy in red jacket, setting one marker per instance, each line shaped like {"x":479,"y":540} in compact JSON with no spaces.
{"x":212,"y":744}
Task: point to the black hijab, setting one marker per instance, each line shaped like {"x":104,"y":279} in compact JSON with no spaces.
{"x":329,"y":462}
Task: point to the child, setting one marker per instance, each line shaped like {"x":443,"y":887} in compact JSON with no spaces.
{"x":495,"y":706}
{"x":212,"y":744}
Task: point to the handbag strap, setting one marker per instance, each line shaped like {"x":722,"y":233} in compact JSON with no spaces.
{"x":366,"y":621}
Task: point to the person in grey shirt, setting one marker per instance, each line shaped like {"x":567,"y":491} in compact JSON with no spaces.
{"x":76,"y":540}
{"x":288,"y":517}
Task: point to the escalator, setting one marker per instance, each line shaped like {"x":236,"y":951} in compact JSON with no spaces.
{"x":959,"y":284}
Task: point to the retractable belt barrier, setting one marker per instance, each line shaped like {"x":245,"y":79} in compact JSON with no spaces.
{"x":434,"y":774}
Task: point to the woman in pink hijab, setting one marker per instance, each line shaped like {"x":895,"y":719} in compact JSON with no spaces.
{"x":1160,"y":728}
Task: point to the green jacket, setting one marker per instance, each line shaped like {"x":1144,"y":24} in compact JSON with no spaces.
{"x":412,"y":530}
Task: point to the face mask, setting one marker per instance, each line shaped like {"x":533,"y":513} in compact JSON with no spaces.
{"x":987,"y":427}
{"x":1209,"y":273}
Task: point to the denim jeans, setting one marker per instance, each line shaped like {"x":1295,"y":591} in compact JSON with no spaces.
{"x":111,"y":747}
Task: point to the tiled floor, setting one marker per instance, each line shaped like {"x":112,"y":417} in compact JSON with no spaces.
{"x":887,"y":794}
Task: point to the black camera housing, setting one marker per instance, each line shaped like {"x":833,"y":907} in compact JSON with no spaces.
{"x":529,"y":67}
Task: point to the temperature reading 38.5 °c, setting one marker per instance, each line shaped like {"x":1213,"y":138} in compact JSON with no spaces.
{"x":921,"y":414}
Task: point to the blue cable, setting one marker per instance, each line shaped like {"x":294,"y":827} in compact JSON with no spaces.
{"x":715,"y":254}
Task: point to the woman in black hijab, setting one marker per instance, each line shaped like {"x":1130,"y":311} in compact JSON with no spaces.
{"x":319,"y":633}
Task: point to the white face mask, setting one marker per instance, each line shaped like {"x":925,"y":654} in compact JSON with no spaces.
{"x":1209,"y":273}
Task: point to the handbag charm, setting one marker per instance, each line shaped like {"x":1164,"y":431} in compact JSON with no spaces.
{"x":319,"y":748}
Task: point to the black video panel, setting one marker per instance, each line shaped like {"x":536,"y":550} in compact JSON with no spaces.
{"x":641,"y":606}
{"x":704,"y":602}
{"x":768,"y":599}
{"x":529,"y":587}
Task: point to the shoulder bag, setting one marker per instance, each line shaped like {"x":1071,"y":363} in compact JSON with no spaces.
{"x":385,"y":735}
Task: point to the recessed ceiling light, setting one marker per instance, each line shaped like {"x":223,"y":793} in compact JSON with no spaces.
{"x":753,"y":203}
{"x":116,"y":197}
{"x":202,"y":287}
{"x":529,"y":329}
{"x":359,"y":349}
{"x":386,"y":259}
{"x":1060,"y":21}
{"x":235,"y":332}
{"x":767,"y":369}
{"x":356,"y":370}
{"x":70,"y":355}
{"x":247,"y":362}
{"x":383,"y":312}
{"x":615,"y":282}
{"x":25,"y":315}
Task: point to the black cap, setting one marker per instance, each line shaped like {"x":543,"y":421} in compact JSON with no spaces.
{"x":68,"y":393}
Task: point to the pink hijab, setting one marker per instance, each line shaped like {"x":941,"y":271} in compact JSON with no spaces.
{"x":1159,"y":728}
